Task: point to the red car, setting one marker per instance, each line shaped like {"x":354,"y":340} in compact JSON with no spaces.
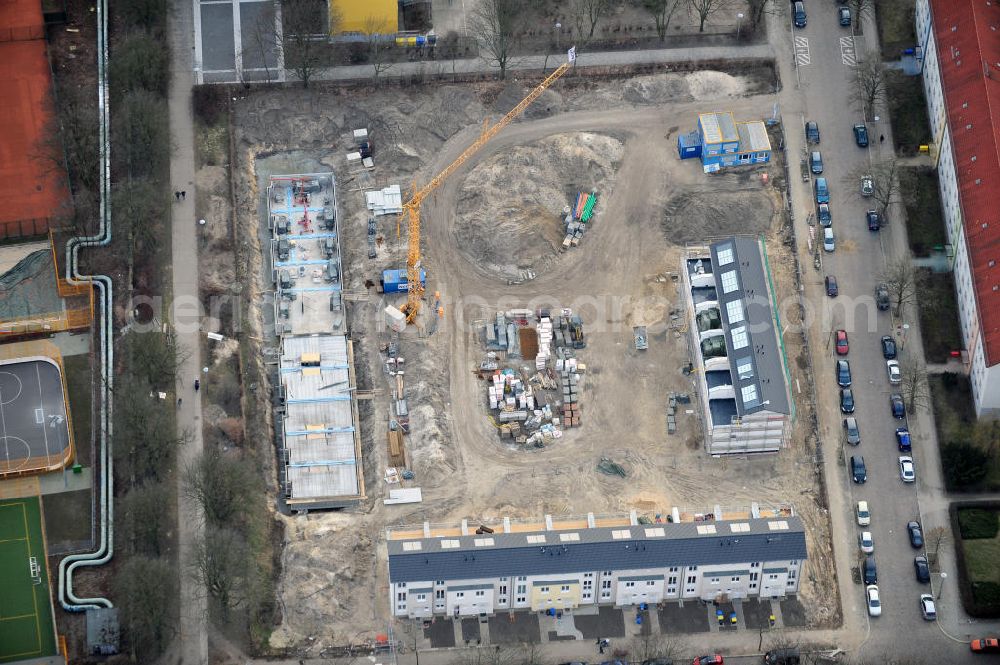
{"x":842,"y":346}
{"x":986,"y":645}
{"x":714,"y":659}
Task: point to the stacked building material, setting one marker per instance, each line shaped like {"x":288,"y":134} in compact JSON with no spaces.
{"x":577,"y":218}
{"x":385,"y":201}
{"x":544,"y":331}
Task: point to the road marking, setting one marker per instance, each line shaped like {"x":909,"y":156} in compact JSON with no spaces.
{"x":847,"y":53}
{"x":802,"y":51}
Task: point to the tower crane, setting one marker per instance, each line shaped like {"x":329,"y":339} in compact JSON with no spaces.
{"x":411,"y":209}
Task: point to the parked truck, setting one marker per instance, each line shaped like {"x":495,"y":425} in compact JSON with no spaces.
{"x":639,"y":336}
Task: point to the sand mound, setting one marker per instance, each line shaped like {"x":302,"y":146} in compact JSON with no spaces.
{"x":698,"y":215}
{"x":510,"y":206}
{"x":665,"y":88}
{"x":710,"y":84}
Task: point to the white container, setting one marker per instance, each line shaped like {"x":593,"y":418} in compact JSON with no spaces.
{"x":395,"y":319}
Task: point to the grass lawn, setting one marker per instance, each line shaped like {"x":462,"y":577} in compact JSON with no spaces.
{"x":939,"y":316}
{"x":907,"y":111}
{"x":922,"y":200}
{"x":895,"y":26}
{"x":955,"y":421}
{"x":67,"y":520}
{"x":79,"y":386}
{"x":982,"y":559}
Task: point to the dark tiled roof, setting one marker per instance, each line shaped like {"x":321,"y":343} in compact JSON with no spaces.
{"x":681,"y":545}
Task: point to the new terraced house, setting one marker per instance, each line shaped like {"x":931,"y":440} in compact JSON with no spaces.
{"x":563,"y":563}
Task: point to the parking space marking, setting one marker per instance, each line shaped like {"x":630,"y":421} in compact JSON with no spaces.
{"x":847,"y":53}
{"x":802,"y":51}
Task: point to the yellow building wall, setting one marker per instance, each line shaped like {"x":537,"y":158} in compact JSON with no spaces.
{"x":555,"y":598}
{"x":355,"y":15}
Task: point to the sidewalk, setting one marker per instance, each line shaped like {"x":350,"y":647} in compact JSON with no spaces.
{"x":192,"y":639}
{"x":536,"y":62}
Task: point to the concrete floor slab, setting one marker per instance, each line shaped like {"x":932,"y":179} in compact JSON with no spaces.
{"x":756,"y":613}
{"x":607,"y":622}
{"x":470,"y":630}
{"x":441,"y":633}
{"x":793,"y":613}
{"x":516,"y":628}
{"x":218,"y":42}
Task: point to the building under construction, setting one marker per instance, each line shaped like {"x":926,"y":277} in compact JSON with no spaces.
{"x":317,"y":416}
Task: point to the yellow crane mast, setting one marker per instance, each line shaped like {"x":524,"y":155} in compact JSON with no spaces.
{"x":411,"y":209}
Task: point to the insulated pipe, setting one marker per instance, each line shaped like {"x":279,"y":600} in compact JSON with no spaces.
{"x":69,"y":601}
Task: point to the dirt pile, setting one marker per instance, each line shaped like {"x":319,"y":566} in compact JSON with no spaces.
{"x":695,"y":216}
{"x":667,"y":88}
{"x":509,"y":217}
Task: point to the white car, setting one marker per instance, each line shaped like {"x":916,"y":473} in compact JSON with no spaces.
{"x":866,"y":543}
{"x":927,"y":609}
{"x":867,"y":186}
{"x":906,"y":471}
{"x":829,"y":244}
{"x":874,"y":604}
{"x":892,"y":368}
{"x":864,"y":516}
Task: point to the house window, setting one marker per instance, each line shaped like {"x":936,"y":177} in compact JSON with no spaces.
{"x":439,"y":594}
{"x":753,"y":586}
{"x":629,"y":585}
{"x":605,"y":594}
{"x":421,"y":596}
{"x":522,"y":588}
{"x":520,"y":599}
{"x":606,"y":572}
{"x":673,"y":569}
{"x":791,"y":574}
{"x":587,"y":595}
{"x":440,"y":583}
{"x":671,"y":590}
{"x":672,"y":580}
{"x":588,"y":574}
{"x":402,"y":585}
{"x":793,"y":562}
{"x":401,"y":596}
{"x":522,"y":578}
{"x":735,"y":578}
{"x":503,"y":600}
{"x":692,"y":568}
{"x":772,"y":577}
{"x":791,"y":582}
{"x":588,"y":584}
{"x":692,"y":579}
{"x":401,"y":606}
{"x":480,"y":593}
{"x":755,"y":565}
{"x":605,"y":584}
{"x":564,"y":587}
{"x":650,"y":583}
{"x":503,"y":579}
{"x":460,"y":594}
{"x":714,"y":580}
{"x":544,"y":589}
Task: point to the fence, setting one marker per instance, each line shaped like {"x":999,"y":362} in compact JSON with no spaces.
{"x":22,"y":33}
{"x":24,"y":228}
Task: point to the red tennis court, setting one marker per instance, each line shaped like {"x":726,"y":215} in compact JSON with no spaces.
{"x":31,"y":189}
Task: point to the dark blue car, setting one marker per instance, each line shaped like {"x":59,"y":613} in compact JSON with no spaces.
{"x":843,"y":373}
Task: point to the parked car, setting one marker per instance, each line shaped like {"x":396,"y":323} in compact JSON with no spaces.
{"x":799,"y":14}
{"x":985,"y":645}
{"x":874,"y":604}
{"x":882,"y":300}
{"x":713,"y":659}
{"x":829,"y":244}
{"x":851,"y":431}
{"x":858,"y":472}
{"x":906,"y":471}
{"x":812,"y":132}
{"x":888,"y":347}
{"x":903,"y":440}
{"x":869,"y":571}
{"x":824,"y":215}
{"x":861,"y":135}
{"x":783,"y":656}
{"x":866,"y":543}
{"x":921,"y":569}
{"x":816,"y":162}
{"x":843,"y":373}
{"x":892,"y":370}
{"x":846,"y":400}
{"x":867,"y":186}
{"x":864,"y":515}
{"x":927,"y":609}
{"x":822,"y":191}
{"x":897,"y":406}
{"x":844,"y":16}
{"x":916,"y":534}
{"x":831,"y":286}
{"x":842,"y":346}
{"x":874,"y":220}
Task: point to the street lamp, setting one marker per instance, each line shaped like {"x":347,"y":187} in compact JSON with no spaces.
{"x":944,"y":576}
{"x":739,"y":24}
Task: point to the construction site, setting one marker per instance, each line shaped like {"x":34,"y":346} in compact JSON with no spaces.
{"x":468,"y":347}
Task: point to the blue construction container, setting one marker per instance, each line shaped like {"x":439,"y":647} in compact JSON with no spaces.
{"x":689,"y":145}
{"x":394,"y":281}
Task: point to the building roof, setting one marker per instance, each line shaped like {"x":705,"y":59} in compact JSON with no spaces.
{"x":602,"y":548}
{"x":753,"y":136}
{"x":365,"y":16}
{"x":751,"y":339}
{"x":718,"y":127}
{"x":968,"y":51}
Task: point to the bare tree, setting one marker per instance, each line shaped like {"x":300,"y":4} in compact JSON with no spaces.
{"x":586,"y":15}
{"x":379,"y":42}
{"x":303,"y":47}
{"x":903,"y":280}
{"x":653,"y":647}
{"x":756,"y":9}
{"x":662,"y":12}
{"x":222,"y":485}
{"x":143,"y":522}
{"x":935,"y":538}
{"x":861,"y":8}
{"x":495,"y":24}
{"x":264,"y":39}
{"x":869,"y":84}
{"x":885,"y":183}
{"x":222,"y":563}
{"x":146,"y":595}
{"x":706,"y":8}
{"x":916,"y":390}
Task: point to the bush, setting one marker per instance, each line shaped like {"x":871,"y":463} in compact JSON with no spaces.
{"x":210,"y":102}
{"x":987,"y":595}
{"x":976,"y":523}
{"x":146,"y":14}
{"x":140,"y":133}
{"x":140,"y":63}
{"x":964,"y":465}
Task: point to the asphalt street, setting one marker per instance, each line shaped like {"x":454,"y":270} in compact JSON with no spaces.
{"x":825,"y":55}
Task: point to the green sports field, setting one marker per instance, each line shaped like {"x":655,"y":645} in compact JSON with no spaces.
{"x":25,"y":610}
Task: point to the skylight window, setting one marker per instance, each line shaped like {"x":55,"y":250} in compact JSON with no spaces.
{"x":725,"y":255}
{"x":450,"y":544}
{"x":749,"y":395}
{"x":744,"y":368}
{"x":734,"y":308}
{"x":739,"y":336}
{"x":706,"y":529}
{"x":729,"y":282}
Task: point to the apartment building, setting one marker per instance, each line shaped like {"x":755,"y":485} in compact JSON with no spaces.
{"x":960,"y":55}
{"x":569,"y":562}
